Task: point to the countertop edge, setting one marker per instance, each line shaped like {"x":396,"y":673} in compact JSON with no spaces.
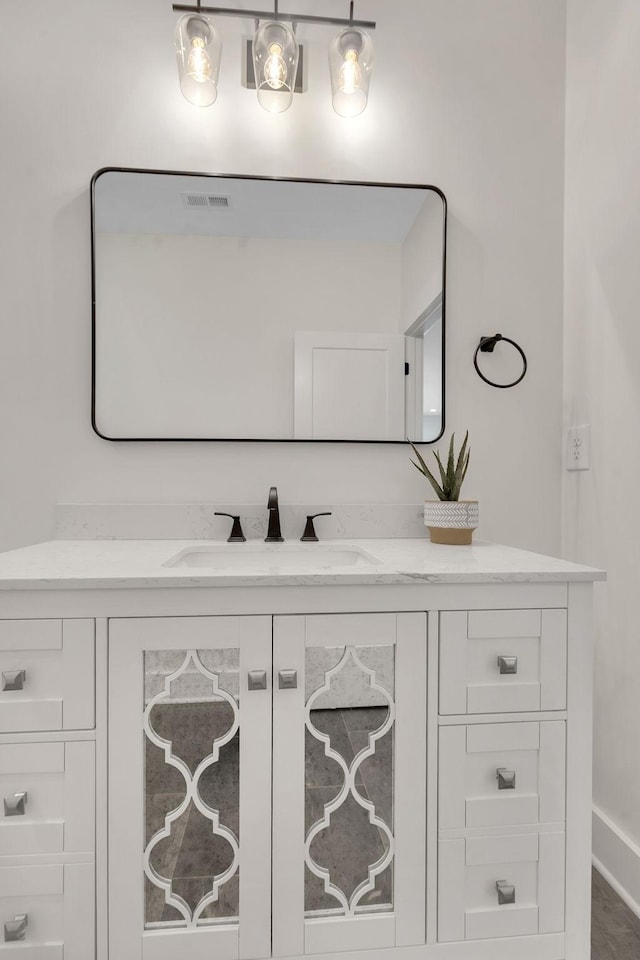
{"x":309,"y":580}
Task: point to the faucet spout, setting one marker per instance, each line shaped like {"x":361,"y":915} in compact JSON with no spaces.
{"x":273,"y":533}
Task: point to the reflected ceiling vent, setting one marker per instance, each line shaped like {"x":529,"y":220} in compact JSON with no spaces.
{"x":204,"y":201}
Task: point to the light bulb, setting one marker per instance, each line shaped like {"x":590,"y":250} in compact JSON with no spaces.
{"x":350,"y":65}
{"x":275,"y":60}
{"x":275,"y":69}
{"x":198,"y":51}
{"x":198,"y":62}
{"x":350,"y":73}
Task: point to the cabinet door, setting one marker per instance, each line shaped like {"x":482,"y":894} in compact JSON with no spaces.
{"x":47,"y":911}
{"x":47,"y":791}
{"x":503,"y":661}
{"x":189,"y":788}
{"x":501,"y":886}
{"x":501,"y":774}
{"x":46,"y":675}
{"x":349,"y":774}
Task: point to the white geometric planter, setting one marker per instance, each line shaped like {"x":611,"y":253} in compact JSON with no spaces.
{"x":451,"y":521}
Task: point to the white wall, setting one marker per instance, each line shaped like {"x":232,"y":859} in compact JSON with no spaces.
{"x":467,"y":96}
{"x":219,"y":316}
{"x":422,"y":261}
{"x":602,"y":387}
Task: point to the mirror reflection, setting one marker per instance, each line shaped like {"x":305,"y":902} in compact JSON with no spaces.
{"x":246,"y":308}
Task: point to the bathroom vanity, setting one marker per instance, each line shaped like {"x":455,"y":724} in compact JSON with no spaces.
{"x":372,"y":749}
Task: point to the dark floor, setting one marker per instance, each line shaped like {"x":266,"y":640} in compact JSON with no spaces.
{"x":615,"y":930}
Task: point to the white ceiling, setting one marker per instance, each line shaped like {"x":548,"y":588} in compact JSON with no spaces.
{"x":131,"y":202}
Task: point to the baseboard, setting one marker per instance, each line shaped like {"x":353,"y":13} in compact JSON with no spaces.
{"x":617,"y":858}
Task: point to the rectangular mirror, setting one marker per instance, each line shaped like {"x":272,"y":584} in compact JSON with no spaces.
{"x":246,"y":308}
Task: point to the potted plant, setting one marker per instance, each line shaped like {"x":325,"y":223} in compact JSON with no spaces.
{"x":449,"y":519}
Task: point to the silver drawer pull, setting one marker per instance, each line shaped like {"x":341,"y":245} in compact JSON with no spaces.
{"x":508,"y":664}
{"x":13,"y":679}
{"x":16,"y":929}
{"x":15,"y":806}
{"x":506,"y":892}
{"x":288,"y":679}
{"x":506,"y":779}
{"x":257,"y":680}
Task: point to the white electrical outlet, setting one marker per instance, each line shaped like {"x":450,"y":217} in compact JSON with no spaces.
{"x":579,"y":448}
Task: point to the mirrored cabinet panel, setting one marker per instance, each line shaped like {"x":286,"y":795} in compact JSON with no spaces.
{"x":349,"y":769}
{"x":247,"y":308}
{"x":349,"y":842}
{"x":189,"y":787}
{"x":267,"y":785}
{"x":192,"y":786}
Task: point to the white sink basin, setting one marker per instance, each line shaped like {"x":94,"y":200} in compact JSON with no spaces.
{"x":271,"y":557}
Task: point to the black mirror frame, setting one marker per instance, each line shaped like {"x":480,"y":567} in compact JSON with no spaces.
{"x":187,"y":173}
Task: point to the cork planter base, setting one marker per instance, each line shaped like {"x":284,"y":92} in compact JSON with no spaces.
{"x":450,"y":535}
{"x":451,"y":521}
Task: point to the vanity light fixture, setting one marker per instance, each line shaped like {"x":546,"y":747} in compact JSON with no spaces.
{"x":275,"y":62}
{"x":198,"y":49}
{"x":275,"y":54}
{"x":350,"y":65}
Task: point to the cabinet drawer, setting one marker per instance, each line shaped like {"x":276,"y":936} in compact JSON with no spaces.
{"x":530,"y":871}
{"x":503,"y":661}
{"x":56,"y":902}
{"x":47,"y":798}
{"x":501,"y":774}
{"x":46,"y":674}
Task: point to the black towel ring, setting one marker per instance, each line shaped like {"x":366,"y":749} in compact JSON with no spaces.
{"x":487,"y":345}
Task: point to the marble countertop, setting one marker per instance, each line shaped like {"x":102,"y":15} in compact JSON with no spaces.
{"x":105,"y":564}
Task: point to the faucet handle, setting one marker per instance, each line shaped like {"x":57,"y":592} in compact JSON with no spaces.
{"x":309,"y":534}
{"x":236,"y":535}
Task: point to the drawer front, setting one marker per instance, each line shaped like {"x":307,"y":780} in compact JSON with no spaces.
{"x":501,"y":774}
{"x":503,"y":661}
{"x":46,"y":675}
{"x":506,"y":886}
{"x":47,"y":798}
{"x":47,"y":912}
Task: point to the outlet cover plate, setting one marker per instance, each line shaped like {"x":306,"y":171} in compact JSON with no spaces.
{"x":579,"y":448}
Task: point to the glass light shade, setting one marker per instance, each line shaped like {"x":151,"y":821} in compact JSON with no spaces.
{"x":350,"y":65}
{"x":275,"y":62}
{"x":198,"y":49}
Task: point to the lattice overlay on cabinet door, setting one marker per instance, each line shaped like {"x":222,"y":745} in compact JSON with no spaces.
{"x":349,"y":735}
{"x":191,"y":729}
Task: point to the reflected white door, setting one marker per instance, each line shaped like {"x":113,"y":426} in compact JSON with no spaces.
{"x":349,"y":386}
{"x":349,"y":771}
{"x":189,"y":788}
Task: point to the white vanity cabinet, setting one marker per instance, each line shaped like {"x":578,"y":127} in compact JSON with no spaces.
{"x":397,"y":771}
{"x":502,"y":802}
{"x":47,"y":789}
{"x":347,"y":865}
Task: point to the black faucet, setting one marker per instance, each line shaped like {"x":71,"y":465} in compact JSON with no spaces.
{"x":273,"y":533}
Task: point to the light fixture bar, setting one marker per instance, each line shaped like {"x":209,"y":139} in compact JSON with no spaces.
{"x":270,"y":14}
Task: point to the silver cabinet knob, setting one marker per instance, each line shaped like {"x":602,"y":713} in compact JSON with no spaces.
{"x":15,"y":806}
{"x":13,"y":679}
{"x":16,"y":929}
{"x":508,"y":664}
{"x":257,"y":680}
{"x":506,"y":892}
{"x":288,"y":679}
{"x":506,"y":779}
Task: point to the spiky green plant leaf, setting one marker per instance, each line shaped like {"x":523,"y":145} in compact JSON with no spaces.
{"x":452,"y":476}
{"x":443,"y":474}
{"x":430,"y":477}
